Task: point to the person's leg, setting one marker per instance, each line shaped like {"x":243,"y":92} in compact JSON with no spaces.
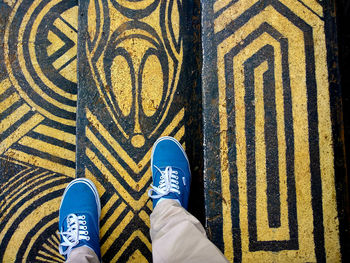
{"x":176,"y":235}
{"x":79,"y":216}
{"x":82,"y":255}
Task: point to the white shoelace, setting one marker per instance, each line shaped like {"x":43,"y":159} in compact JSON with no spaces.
{"x":76,"y":230}
{"x":169,"y":183}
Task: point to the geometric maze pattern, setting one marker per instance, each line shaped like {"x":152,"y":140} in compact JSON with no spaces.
{"x":273,"y":117}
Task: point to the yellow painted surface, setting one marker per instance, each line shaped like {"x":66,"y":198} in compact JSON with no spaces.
{"x":49,"y":84}
{"x":14,"y":243}
{"x":296,"y":55}
{"x":35,"y":151}
{"x":137,"y":84}
{"x":152,"y":82}
{"x":152,"y":77}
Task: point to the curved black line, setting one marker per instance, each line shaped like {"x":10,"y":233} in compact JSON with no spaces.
{"x":13,"y":43}
{"x":41,"y":239}
{"x":136,"y":13}
{"x":92,"y":43}
{"x":27,"y":211}
{"x":162,"y":58}
{"x":107,"y":65}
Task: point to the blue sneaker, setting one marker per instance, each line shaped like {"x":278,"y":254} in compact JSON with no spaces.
{"x":79,"y":217}
{"x":170,"y":172}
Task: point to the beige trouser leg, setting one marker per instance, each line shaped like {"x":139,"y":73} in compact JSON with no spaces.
{"x":177,"y":236}
{"x":82,"y":255}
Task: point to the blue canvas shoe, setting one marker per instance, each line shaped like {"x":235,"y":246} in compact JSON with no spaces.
{"x":79,"y":217}
{"x":170,"y":172}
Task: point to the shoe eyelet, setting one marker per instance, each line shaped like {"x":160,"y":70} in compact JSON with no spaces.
{"x":87,"y":238}
{"x":83,"y":222}
{"x":84,"y":227}
{"x":83,"y":217}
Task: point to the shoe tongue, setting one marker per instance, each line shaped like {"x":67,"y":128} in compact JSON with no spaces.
{"x":171,"y":168}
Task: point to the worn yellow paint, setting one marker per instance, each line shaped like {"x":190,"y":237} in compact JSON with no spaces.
{"x":48,"y":148}
{"x":152,"y":81}
{"x":91,"y":20}
{"x":150,"y":205}
{"x":100,"y":189}
{"x":137,"y":257}
{"x":69,"y":72}
{"x":135,"y":5}
{"x":4,"y":85}
{"x":302,"y":172}
{"x":40,"y":162}
{"x":152,"y":77}
{"x":104,"y":99}
{"x":122,"y":84}
{"x":263,"y":231}
{"x":51,"y":250}
{"x":116,"y":232}
{"x":71,"y":52}
{"x":56,"y":43}
{"x":108,"y":205}
{"x":225,"y":181}
{"x":120,"y":169}
{"x":55,"y":133}
{"x":21,"y":130}
{"x":151,"y":97}
{"x":71,"y":16}
{"x":14,"y":117}
{"x":145,"y":217}
{"x":8,"y":184}
{"x":5,"y":104}
{"x":33,"y":57}
{"x":35,"y":237}
{"x":136,"y":167}
{"x":24,"y":187}
{"x":112,"y":219}
{"x":28,"y":117}
{"x":330,"y":219}
{"x":138,"y":234}
{"x":27,"y":224}
{"x":138,"y":140}
{"x":92,"y":23}
{"x":22,"y":63}
{"x":136,"y":204}
{"x":97,"y":124}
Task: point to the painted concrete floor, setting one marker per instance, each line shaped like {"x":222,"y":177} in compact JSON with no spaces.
{"x":244,"y":85}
